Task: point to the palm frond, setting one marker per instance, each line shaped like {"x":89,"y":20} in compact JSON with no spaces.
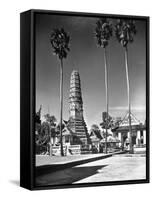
{"x":60,"y":40}
{"x":125,"y":31}
{"x":103,"y":32}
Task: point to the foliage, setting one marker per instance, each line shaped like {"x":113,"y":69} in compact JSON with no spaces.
{"x":58,"y":128}
{"x":51,"y":119}
{"x":46,"y":129}
{"x":43,"y":134}
{"x":111,"y":123}
{"x":94,"y":127}
{"x":38,"y":115}
{"x":59,"y":40}
{"x":125,"y":30}
{"x":103,"y":32}
{"x":107,"y":121}
{"x":37,"y":119}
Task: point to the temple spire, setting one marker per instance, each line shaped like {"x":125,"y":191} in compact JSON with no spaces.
{"x":75,"y":98}
{"x":76,"y":119}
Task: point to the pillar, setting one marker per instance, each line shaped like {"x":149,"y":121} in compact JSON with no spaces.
{"x":144,"y":136}
{"x":120,"y":138}
{"x":138,"y":137}
{"x":128,"y":136}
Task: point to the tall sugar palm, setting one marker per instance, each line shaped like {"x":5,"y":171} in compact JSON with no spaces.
{"x":125,"y":30}
{"x":103,"y":34}
{"x":60,"y":40}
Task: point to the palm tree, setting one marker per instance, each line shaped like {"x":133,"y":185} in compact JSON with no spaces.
{"x":103,"y":34}
{"x":125,"y":30}
{"x":59,"y":40}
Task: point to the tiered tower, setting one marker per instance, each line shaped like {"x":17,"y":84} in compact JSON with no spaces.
{"x":76,"y":123}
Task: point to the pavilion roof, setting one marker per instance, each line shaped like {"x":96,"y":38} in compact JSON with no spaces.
{"x":124,"y":124}
{"x":110,"y":139}
{"x":125,"y":121}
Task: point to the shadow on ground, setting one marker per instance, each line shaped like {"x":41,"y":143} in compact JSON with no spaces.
{"x":67,"y":176}
{"x":44,"y":169}
{"x":15,"y":182}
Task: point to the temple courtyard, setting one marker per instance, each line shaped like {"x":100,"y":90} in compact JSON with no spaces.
{"x":118,"y":167}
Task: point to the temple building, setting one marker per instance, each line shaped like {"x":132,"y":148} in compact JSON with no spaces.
{"x":76,"y":124}
{"x":75,"y":136}
{"x":138,"y":132}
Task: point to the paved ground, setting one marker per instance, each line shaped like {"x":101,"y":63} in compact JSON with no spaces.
{"x":50,"y":160}
{"x":116,"y":168}
{"x":42,"y":160}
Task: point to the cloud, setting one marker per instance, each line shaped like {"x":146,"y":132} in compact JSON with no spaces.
{"x":123,"y":108}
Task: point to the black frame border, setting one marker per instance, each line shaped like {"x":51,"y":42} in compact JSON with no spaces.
{"x":27,"y":99}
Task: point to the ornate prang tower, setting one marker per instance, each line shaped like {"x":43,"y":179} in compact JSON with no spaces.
{"x":76,"y":122}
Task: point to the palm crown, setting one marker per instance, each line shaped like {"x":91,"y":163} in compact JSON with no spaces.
{"x":59,"y":40}
{"x":125,"y":31}
{"x":103,"y":31}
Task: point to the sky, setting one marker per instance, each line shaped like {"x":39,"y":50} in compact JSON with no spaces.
{"x":86,"y":57}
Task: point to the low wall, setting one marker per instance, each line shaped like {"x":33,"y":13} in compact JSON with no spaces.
{"x":71,"y":150}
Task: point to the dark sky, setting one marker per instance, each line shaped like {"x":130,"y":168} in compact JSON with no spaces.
{"x":87,"y":58}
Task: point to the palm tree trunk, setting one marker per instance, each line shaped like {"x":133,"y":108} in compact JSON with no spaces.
{"x":129,"y":100}
{"x":106,"y":86}
{"x":61,"y":105}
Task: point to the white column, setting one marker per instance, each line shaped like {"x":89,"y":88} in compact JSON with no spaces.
{"x":138,"y":137}
{"x":98,"y":147}
{"x":144,"y":136}
{"x":128,"y":136}
{"x":120,"y":138}
{"x":56,"y":139}
{"x":64,"y":140}
{"x":51,"y":140}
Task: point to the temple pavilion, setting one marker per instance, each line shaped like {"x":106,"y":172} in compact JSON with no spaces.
{"x":138,"y":132}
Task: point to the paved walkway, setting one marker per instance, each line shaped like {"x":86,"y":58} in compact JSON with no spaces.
{"x":42,"y":160}
{"x":115,"y":168}
{"x":47,"y":164}
{"x":51,"y":160}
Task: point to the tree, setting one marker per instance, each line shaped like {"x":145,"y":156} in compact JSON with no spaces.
{"x":58,"y":128}
{"x":42,"y":137}
{"x":115,"y":123}
{"x":51,"y":120}
{"x":59,"y":40}
{"x":103,"y":34}
{"x":125,"y":30}
{"x":46,"y":131}
{"x":38,"y":116}
{"x":107,"y":121}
